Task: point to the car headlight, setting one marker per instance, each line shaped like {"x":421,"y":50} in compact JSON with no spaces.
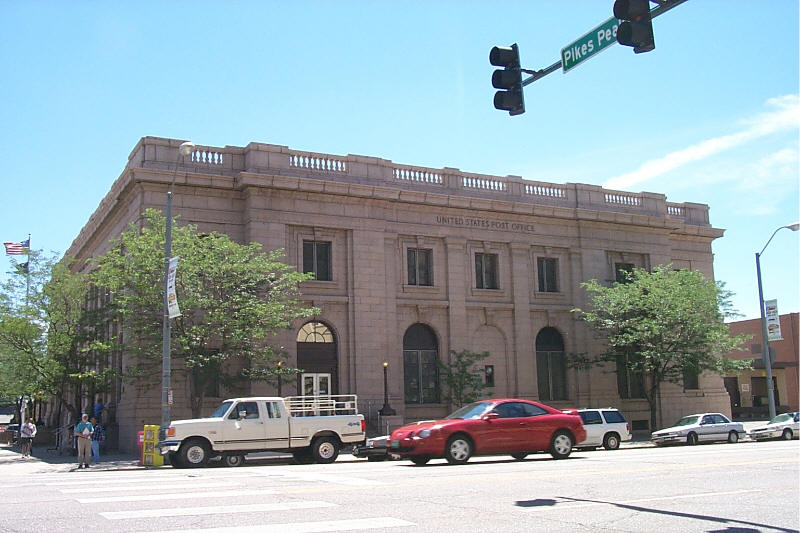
{"x":424,"y":433}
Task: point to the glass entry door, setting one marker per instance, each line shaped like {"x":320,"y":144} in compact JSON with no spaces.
{"x":316,"y":384}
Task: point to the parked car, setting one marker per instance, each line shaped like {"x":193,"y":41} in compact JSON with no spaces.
{"x":785,"y":426}
{"x":604,"y":427}
{"x":703,"y":427}
{"x":374,"y":449}
{"x":491,"y":427}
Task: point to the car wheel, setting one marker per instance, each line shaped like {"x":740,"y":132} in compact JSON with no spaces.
{"x":733,"y":437}
{"x":691,"y":439}
{"x":174,"y":460}
{"x":611,"y":441}
{"x":419,"y":460}
{"x":325,"y":450}
{"x":519,"y":456}
{"x":561,"y":444}
{"x":233,"y":460}
{"x":194,"y":453}
{"x":458,"y":450}
{"x":787,"y":434}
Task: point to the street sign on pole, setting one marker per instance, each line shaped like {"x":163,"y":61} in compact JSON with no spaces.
{"x":594,"y":41}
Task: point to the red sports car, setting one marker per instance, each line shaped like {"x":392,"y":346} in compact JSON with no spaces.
{"x":491,"y":427}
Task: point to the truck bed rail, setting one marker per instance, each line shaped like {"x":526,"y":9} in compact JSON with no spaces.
{"x":329,"y":405}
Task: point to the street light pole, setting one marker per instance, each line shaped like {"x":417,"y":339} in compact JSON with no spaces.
{"x":386,"y":410}
{"x":764,"y":334}
{"x":166,"y":363}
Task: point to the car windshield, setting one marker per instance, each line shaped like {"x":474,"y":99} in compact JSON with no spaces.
{"x":687,"y":421}
{"x":786,"y":417}
{"x":221,"y":410}
{"x":473,"y":410}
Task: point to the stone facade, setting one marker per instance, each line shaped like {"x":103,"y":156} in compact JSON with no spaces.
{"x":374,"y":214}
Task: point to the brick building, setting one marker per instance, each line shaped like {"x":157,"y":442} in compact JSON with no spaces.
{"x":748,"y":391}
{"x":414,"y":262}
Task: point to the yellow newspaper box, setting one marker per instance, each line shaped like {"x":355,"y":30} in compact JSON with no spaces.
{"x":150,"y":455}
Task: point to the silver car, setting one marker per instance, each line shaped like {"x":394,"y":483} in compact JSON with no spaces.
{"x":785,"y":426}
{"x":703,"y":427}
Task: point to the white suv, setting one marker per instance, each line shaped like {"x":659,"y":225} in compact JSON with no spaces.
{"x":604,"y":427}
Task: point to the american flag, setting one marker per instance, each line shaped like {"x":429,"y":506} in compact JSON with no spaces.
{"x":17,"y":248}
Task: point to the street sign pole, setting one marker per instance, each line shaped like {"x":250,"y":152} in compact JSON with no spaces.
{"x":662,"y":7}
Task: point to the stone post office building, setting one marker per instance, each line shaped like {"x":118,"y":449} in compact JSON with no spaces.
{"x":412,"y":263}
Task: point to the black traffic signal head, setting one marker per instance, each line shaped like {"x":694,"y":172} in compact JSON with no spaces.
{"x":509,"y":79}
{"x":636,"y":29}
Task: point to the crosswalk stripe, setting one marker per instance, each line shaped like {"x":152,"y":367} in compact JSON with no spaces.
{"x":176,"y":496}
{"x":215,"y":509}
{"x":151,"y":487}
{"x":306,"y":527}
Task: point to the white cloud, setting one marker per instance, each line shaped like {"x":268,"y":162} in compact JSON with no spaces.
{"x":783,"y":116}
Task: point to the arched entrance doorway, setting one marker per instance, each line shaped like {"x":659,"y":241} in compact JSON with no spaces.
{"x":420,"y":365}
{"x":316,"y":355}
{"x":551,"y":365}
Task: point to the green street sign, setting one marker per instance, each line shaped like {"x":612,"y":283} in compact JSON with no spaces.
{"x":593,"y":42}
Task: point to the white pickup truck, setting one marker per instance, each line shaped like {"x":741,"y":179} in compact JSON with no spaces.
{"x":310,"y":427}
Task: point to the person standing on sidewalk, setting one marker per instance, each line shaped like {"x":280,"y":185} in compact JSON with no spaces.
{"x":98,"y":436}
{"x":26,"y":434}
{"x":83,"y":431}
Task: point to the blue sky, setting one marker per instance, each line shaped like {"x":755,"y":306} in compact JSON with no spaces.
{"x":710,"y":116}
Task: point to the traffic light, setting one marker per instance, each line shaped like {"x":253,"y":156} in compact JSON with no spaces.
{"x":636,"y":28}
{"x":509,"y":79}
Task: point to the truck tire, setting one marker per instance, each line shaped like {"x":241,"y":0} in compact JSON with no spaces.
{"x":325,"y":449}
{"x":174,"y":460}
{"x":194,"y":453}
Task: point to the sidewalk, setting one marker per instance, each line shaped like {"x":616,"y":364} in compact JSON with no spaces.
{"x":44,"y":460}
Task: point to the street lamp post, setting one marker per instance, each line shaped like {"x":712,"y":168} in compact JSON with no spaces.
{"x":280,"y":377}
{"x":764,"y":335}
{"x":386,"y":410}
{"x":166,"y":363}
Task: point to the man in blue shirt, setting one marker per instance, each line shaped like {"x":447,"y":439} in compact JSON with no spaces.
{"x":83,"y":432}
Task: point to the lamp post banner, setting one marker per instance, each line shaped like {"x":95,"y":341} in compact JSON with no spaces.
{"x":172,"y":298}
{"x":773,"y":321}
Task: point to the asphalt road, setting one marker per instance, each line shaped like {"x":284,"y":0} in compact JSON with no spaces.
{"x":744,"y":487}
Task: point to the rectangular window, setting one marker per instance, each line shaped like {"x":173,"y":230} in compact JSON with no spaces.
{"x":317,"y":259}
{"x":621,"y":271}
{"x":486,"y":271}
{"x":630,"y":384}
{"x":488,"y":372}
{"x":420,"y":267}
{"x":548,"y":274}
{"x":690,"y":379}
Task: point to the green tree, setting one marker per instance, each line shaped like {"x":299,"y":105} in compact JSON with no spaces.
{"x":462,"y":377}
{"x":49,"y":342}
{"x":233,"y":298}
{"x":662,"y":326}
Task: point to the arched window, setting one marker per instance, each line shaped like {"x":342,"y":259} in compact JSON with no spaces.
{"x":551,"y":365}
{"x":314,"y":332}
{"x":420,"y":365}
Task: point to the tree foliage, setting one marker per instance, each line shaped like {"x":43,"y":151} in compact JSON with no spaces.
{"x":233,"y":298}
{"x":49,"y":342}
{"x":462,"y":377}
{"x":662,"y":325}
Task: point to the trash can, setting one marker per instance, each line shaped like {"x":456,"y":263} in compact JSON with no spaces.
{"x":150,"y":455}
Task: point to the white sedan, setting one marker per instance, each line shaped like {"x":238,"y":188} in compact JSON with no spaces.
{"x":704,"y":427}
{"x":785,"y":426}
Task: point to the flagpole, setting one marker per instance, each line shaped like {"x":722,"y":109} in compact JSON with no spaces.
{"x":28,"y":274}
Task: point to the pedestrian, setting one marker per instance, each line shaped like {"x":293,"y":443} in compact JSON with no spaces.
{"x":83,"y":431}
{"x":97,"y":408}
{"x":26,"y":434}
{"x":98,"y":438}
